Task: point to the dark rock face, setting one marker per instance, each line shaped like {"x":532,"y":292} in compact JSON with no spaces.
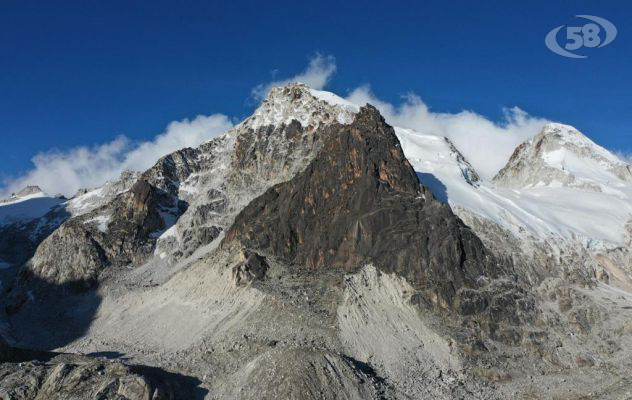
{"x":135,"y":216}
{"x":172,"y":169}
{"x":254,"y":267}
{"x":260,"y":150}
{"x":16,"y":244}
{"x":359,"y":202}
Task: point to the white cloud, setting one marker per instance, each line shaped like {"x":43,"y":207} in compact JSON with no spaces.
{"x":179,"y":134}
{"x":625,"y":157}
{"x":316,"y":76}
{"x":84,"y":167}
{"x":485,"y":143}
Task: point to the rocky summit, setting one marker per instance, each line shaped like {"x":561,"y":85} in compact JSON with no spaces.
{"x":360,"y":202}
{"x":314,"y":251}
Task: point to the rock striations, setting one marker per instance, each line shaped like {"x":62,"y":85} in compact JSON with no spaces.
{"x":359,"y":202}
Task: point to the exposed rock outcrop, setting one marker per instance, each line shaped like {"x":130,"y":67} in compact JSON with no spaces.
{"x":252,"y":268}
{"x":77,"y":378}
{"x":80,"y":249}
{"x":360,"y":202}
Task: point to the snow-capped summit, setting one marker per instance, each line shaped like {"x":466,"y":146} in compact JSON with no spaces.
{"x":29,"y":192}
{"x":561,"y":156}
{"x":531,"y":195}
{"x":27,"y":204}
{"x":297,"y":101}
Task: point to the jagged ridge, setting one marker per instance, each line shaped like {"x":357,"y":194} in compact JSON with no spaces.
{"x":360,"y":202}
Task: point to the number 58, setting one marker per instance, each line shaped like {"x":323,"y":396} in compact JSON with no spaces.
{"x":588,"y":38}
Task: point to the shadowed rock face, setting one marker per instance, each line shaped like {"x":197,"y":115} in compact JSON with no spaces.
{"x":358,"y":202}
{"x":77,"y":252}
{"x":135,"y":216}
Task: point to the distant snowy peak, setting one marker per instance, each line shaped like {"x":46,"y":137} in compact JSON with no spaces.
{"x":298,"y":102}
{"x":561,"y":156}
{"x":29,"y":192}
{"x":27,"y":204}
{"x":540,"y":211}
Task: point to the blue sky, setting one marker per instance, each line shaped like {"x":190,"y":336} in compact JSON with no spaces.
{"x":83,"y":73}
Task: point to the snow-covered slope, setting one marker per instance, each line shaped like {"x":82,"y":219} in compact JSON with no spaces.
{"x":556,"y":185}
{"x":87,"y":200}
{"x":28,"y":204}
{"x":542,"y":211}
{"x":561,"y":156}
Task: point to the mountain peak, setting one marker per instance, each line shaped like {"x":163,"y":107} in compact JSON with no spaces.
{"x":360,"y":202}
{"x":28,"y":192}
{"x":569,"y":135}
{"x":562,"y":156}
{"x":296,"y":101}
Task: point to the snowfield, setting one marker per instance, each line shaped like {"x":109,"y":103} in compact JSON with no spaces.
{"x":542,"y":211}
{"x":26,"y":208}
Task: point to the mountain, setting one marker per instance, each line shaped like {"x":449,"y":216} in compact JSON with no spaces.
{"x":519,"y":199}
{"x":561,"y":156}
{"x":25,"y":219}
{"x":315,"y":251}
{"x":30,"y":216}
{"x":334,"y":215}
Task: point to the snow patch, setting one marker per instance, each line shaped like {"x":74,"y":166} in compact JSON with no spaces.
{"x":86,"y":202}
{"x":171,"y":232}
{"x":101,"y":222}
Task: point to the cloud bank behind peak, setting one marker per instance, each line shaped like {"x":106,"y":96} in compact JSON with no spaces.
{"x":485,"y":143}
{"x":84,"y":167}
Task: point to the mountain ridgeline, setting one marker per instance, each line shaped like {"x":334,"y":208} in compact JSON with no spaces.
{"x":359,"y":202}
{"x":314,"y":251}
